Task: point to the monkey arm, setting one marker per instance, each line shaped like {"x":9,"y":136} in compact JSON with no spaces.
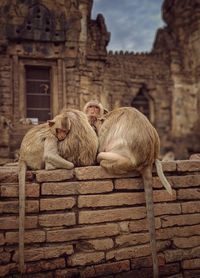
{"x":51,"y":156}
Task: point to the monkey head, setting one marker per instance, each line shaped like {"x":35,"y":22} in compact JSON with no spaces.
{"x":60,"y":127}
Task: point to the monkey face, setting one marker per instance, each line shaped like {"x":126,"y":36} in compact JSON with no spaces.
{"x":93,"y":110}
{"x":61,"y":134}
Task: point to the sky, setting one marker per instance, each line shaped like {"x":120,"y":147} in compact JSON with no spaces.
{"x":132,"y":23}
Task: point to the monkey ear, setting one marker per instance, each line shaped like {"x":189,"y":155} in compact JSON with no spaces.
{"x":51,"y":123}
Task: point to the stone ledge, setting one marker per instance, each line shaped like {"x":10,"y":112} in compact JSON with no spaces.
{"x":10,"y":174}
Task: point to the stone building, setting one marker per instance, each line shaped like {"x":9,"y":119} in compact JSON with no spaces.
{"x":53,"y":55}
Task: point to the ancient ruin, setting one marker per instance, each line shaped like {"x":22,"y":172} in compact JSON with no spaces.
{"x":53,"y":54}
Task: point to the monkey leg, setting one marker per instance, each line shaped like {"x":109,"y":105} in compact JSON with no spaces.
{"x":54,"y":161}
{"x":115,"y":163}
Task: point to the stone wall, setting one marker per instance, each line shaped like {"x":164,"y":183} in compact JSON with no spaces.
{"x":86,"y":223}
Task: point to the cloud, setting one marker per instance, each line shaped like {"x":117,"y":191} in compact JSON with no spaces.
{"x":132,"y":24}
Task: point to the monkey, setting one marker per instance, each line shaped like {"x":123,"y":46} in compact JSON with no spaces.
{"x":127,"y":142}
{"x":95,"y":113}
{"x":66,"y":141}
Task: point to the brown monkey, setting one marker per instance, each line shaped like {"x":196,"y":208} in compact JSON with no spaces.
{"x":46,"y":143}
{"x":95,"y":112}
{"x":127,"y":142}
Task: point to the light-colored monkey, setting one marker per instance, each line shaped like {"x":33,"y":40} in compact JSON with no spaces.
{"x":46,"y":144}
{"x":127,"y":142}
{"x":95,"y":114}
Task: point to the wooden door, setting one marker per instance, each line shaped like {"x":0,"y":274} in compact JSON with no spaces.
{"x":38,"y":93}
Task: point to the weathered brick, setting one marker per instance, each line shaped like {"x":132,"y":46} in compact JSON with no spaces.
{"x":12,"y":190}
{"x":2,"y":239}
{"x":181,"y":254}
{"x":58,"y":219}
{"x":83,"y":233}
{"x":29,"y":237}
{"x":191,"y":273}
{"x":11,"y":222}
{"x":168,"y":166}
{"x":142,"y":225}
{"x":57,"y":203}
{"x":188,"y":194}
{"x":34,"y":267}
{"x":169,"y":269}
{"x":120,"y":199}
{"x":96,"y":244}
{"x":97,"y":172}
{"x":54,"y":175}
{"x":132,"y":239}
{"x":188,"y":165}
{"x":11,"y":175}
{"x":172,"y":232}
{"x":67,"y":273}
{"x":168,"y":208}
{"x":5,"y":257}
{"x":36,"y":254}
{"x":13,"y":206}
{"x":105,"y":269}
{"x":85,"y":258}
{"x":75,"y":188}
{"x":128,"y":252}
{"x":180,"y":220}
{"x":185,"y":242}
{"x":7,"y":269}
{"x":191,"y":264}
{"x":190,"y":207}
{"x":98,"y":216}
{"x":129,"y":184}
{"x":184,"y":181}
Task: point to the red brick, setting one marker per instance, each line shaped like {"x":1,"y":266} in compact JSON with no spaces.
{"x":98,"y":216}
{"x":184,"y":181}
{"x":97,"y":172}
{"x":57,"y":203}
{"x":11,"y":222}
{"x":186,"y":231}
{"x":2,"y":239}
{"x":181,"y":254}
{"x":29,"y":237}
{"x":75,"y":188}
{"x":88,"y":232}
{"x":58,"y":219}
{"x":85,"y":258}
{"x":95,"y":245}
{"x":186,"y":242}
{"x":105,"y":269}
{"x":190,"y":207}
{"x":165,"y":209}
{"x":66,"y":273}
{"x":12,"y":190}
{"x":191,"y":264}
{"x":180,"y":220}
{"x":142,"y":225}
{"x":188,"y":194}
{"x":188,"y":165}
{"x":7,"y":269}
{"x":132,"y":239}
{"x":36,"y":254}
{"x":128,"y":252}
{"x":54,"y":175}
{"x":39,"y":266}
{"x":13,"y":206}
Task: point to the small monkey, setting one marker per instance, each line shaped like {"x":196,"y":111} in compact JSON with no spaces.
{"x":95,"y":114}
{"x":68,"y":136}
{"x":127,"y":142}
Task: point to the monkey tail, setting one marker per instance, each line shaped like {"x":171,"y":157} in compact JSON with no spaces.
{"x":162,"y":177}
{"x":147,"y":180}
{"x":22,"y":182}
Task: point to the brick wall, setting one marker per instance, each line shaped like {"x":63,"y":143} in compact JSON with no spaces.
{"x":86,"y":223}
